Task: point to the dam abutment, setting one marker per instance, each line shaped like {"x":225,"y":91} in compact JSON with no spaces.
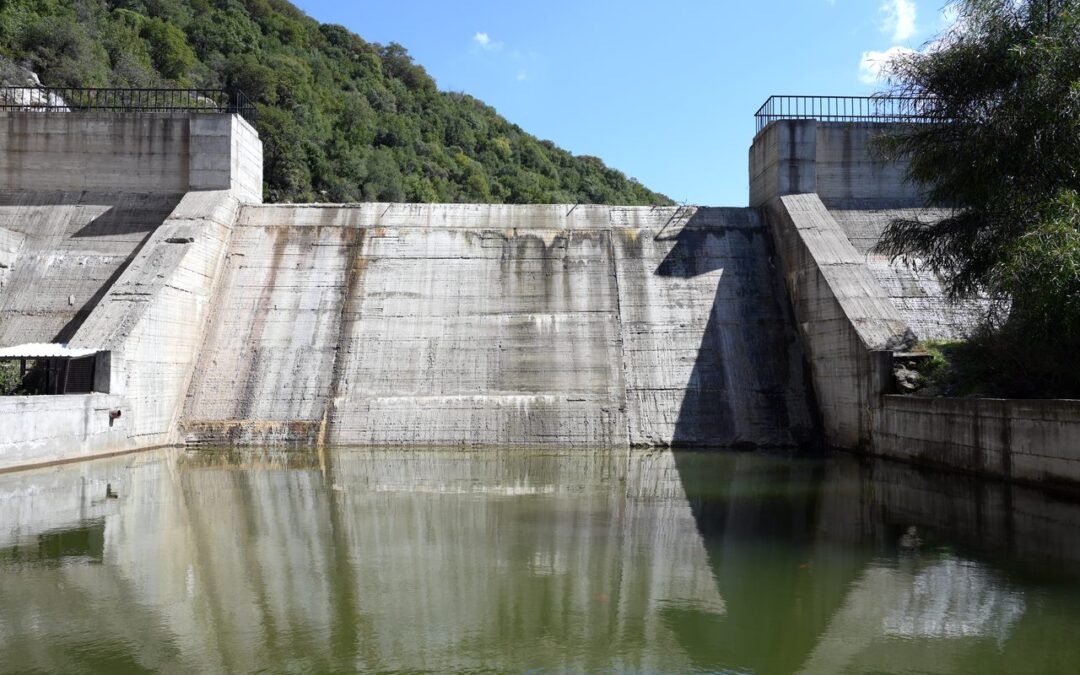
{"x":827,"y":195}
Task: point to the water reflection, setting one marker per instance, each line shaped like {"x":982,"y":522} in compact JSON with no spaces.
{"x":643,"y":561}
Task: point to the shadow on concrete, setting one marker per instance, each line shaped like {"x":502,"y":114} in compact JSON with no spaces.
{"x":741,"y":386}
{"x":124,"y":214}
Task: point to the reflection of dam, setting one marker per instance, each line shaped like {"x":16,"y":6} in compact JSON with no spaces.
{"x":637,"y":561}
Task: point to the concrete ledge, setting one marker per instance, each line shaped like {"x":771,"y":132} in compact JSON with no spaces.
{"x":502,"y":217}
{"x":1032,"y":441}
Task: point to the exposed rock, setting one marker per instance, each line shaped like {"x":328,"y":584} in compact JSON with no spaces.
{"x":20,"y":86}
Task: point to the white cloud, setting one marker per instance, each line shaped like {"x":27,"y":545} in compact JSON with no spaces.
{"x":872,"y":65}
{"x":485,"y":42}
{"x":899,"y":19}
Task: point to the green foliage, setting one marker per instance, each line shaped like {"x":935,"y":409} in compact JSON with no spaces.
{"x":10,"y":382}
{"x":1004,"y":88}
{"x":340,"y":118}
{"x":957,"y":368}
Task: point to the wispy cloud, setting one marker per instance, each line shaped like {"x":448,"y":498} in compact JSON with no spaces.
{"x":521,"y":76}
{"x":899,"y":19}
{"x":873,"y":65}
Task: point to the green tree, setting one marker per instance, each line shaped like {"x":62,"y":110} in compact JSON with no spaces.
{"x":1003,"y":91}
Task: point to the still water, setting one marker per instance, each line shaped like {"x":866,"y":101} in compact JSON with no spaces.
{"x":358,"y":560}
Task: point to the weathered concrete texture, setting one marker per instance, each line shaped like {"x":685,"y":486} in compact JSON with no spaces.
{"x":844,"y":315}
{"x":45,"y":429}
{"x":129,"y":152}
{"x":1035,"y":441}
{"x":61,"y":251}
{"x":713,"y":282}
{"x":271,"y":345}
{"x":917,"y":292}
{"x":403,"y":324}
{"x":152,"y":319}
{"x":837,"y":161}
{"x":10,"y":244}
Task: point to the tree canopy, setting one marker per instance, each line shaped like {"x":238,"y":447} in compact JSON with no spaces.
{"x":1003,"y":89}
{"x":341,"y":119}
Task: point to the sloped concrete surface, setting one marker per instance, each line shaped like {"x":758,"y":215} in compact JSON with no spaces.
{"x":918,"y":293}
{"x":499,"y":325}
{"x":61,"y":251}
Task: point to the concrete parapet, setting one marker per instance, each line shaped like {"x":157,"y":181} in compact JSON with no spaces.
{"x":495,"y":217}
{"x":48,"y":429}
{"x":130,"y":152}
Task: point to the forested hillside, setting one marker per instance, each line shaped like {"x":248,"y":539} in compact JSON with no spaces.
{"x":341,"y":119}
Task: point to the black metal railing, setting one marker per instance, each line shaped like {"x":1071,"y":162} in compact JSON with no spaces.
{"x":843,"y":109}
{"x":68,"y":99}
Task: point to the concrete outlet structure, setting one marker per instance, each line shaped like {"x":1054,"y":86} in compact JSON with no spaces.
{"x":141,"y":238}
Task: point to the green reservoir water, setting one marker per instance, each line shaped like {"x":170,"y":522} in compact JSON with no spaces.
{"x":367,"y":560}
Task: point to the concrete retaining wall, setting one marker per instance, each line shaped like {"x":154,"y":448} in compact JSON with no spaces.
{"x":1035,"y":441}
{"x":917,"y":292}
{"x":44,"y":429}
{"x":499,"y":325}
{"x":828,"y":197}
{"x":129,"y":152}
{"x":152,"y":319}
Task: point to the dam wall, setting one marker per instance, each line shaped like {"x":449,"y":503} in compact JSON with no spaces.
{"x":466,"y":325}
{"x":149,"y":322}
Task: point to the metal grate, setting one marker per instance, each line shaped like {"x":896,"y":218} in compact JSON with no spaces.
{"x":68,"y":99}
{"x":843,"y":109}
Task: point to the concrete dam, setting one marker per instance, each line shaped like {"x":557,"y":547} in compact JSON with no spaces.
{"x":499,"y":325}
{"x":161,"y":303}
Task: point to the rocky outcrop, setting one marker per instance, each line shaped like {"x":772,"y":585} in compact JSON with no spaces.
{"x":21,"y":87}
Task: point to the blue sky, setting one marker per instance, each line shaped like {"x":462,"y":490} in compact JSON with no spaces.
{"x":663,"y":91}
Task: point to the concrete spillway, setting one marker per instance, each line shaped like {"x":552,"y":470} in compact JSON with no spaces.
{"x":63,"y":250}
{"x":495,"y":325}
